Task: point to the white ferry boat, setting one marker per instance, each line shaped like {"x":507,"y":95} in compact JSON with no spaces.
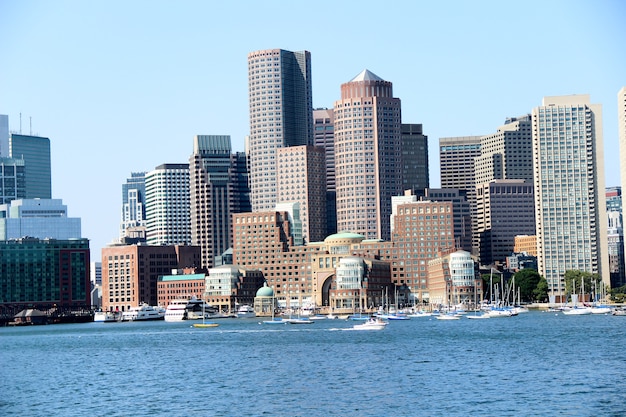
{"x":144,"y":312}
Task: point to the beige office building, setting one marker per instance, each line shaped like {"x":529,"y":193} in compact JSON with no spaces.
{"x":301,"y":178}
{"x":570,"y":201}
{"x":368,"y":155}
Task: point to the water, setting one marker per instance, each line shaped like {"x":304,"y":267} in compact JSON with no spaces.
{"x":533,"y":364}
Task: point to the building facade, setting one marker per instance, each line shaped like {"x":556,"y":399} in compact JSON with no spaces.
{"x":44,"y":274}
{"x":324,"y":136}
{"x":621,"y":116}
{"x":281,"y":115}
{"x":38,"y":218}
{"x":415,"y":168}
{"x":130,"y":272}
{"x":133,"y":204}
{"x":168,"y":220}
{"x":570,"y":200}
{"x":12,"y":180}
{"x":615,"y":235}
{"x":218,"y":188}
{"x":35,"y":151}
{"x":368,"y":155}
{"x":504,"y":209}
{"x":461,"y":213}
{"x":301,"y":177}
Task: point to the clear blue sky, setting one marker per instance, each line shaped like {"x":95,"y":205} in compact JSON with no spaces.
{"x":123,"y":86}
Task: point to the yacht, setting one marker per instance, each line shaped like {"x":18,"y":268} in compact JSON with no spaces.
{"x":245,"y":311}
{"x":189,"y":309}
{"x":144,"y":312}
{"x":107,"y":316}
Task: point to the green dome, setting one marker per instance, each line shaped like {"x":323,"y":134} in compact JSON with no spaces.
{"x":344,"y":235}
{"x":265,"y":291}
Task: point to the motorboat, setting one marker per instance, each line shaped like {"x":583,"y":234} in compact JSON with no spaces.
{"x":373,"y":323}
{"x":500,"y":312}
{"x":107,"y":316}
{"x":299,"y":320}
{"x":144,"y":312}
{"x":448,"y":316}
{"x":619,"y":312}
{"x":478,"y":316}
{"x":245,"y":311}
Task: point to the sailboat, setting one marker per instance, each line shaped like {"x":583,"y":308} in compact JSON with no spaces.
{"x":274,"y":320}
{"x":204,"y":324}
{"x":575,"y":310}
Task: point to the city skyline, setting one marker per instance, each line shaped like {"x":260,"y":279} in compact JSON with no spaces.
{"x":120,"y":92}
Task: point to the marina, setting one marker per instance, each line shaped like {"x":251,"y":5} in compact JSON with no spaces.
{"x":539,"y":363}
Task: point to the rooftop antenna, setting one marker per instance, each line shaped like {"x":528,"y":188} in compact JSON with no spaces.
{"x":20,"y":123}
{"x":31,"y":125}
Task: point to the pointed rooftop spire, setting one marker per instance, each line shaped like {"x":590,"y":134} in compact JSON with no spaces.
{"x":366,"y":75}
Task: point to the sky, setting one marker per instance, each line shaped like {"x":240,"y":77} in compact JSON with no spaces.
{"x":124,"y":86}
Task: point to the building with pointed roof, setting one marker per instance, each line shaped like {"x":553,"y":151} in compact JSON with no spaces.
{"x":368,"y":155}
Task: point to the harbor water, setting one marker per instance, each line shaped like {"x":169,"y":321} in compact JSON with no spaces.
{"x":534,"y":364}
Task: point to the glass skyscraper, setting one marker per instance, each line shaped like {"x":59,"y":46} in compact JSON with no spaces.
{"x":35,"y":151}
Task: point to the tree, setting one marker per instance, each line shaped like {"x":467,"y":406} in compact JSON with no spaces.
{"x":574,"y":280}
{"x":540,"y":293}
{"x":527,"y":280}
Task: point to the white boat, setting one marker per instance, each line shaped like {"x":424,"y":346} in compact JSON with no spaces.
{"x":577,"y":311}
{"x":448,"y":316}
{"x":144,"y":312}
{"x":299,"y":320}
{"x":478,"y":316}
{"x":190,"y":309}
{"x":500,"y":312}
{"x":420,"y":314}
{"x":619,"y":312}
{"x":245,"y":311}
{"x":371,"y":324}
{"x":107,"y":316}
{"x":601,"y":310}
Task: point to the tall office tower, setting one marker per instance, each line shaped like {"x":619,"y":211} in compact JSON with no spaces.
{"x":504,"y":209}
{"x":218,"y":190}
{"x":461,"y":213}
{"x":281,"y":115}
{"x":570,"y":203}
{"x":506,"y":154}
{"x":615,"y":235}
{"x":12,"y":180}
{"x":457,"y":163}
{"x":301,"y":177}
{"x":35,"y":151}
{"x":4,"y":135}
{"x":38,"y":218}
{"x":324,"y":120}
{"x":133,"y":203}
{"x":414,"y":158}
{"x":621,"y":115}
{"x":167,"y":205}
{"x":368,"y":156}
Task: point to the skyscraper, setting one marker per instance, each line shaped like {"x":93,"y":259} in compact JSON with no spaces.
{"x":301,"y":177}
{"x":218,"y":189}
{"x":415,"y":175}
{"x":4,"y":135}
{"x":281,"y":115}
{"x":368,"y":159}
{"x":504,"y":209}
{"x":506,"y":154}
{"x":457,"y":163}
{"x":167,"y":205}
{"x":133,"y":203}
{"x":12,"y":180}
{"x":615,"y":235}
{"x":324,"y":120}
{"x":570,"y":203}
{"x":621,"y":115}
{"x":35,"y":151}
